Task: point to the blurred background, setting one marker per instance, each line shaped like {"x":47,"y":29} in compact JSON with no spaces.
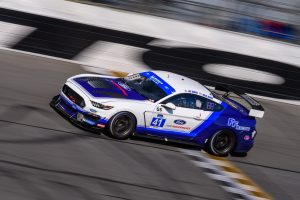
{"x":267,"y":18}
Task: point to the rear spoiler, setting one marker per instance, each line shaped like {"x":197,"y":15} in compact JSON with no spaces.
{"x":256,"y":108}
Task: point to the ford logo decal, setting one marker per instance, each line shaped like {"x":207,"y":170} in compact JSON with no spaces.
{"x":93,"y":110}
{"x":179,"y":122}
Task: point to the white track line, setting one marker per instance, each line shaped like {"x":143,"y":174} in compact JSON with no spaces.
{"x":229,"y":181}
{"x":11,"y":34}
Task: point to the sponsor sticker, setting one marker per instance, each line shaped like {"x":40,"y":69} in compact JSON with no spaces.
{"x":246,"y":137}
{"x":155,"y":80}
{"x":179,"y":122}
{"x":199,"y":93}
{"x":235,"y":124}
{"x":93,"y":110}
{"x":210,"y":105}
{"x":179,"y":127}
{"x":123,"y":85}
{"x":158,"y":122}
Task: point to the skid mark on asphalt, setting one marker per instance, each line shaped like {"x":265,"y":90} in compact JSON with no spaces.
{"x":229,"y":177}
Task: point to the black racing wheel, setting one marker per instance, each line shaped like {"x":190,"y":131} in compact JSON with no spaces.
{"x":221,"y":143}
{"x":122,"y":125}
{"x":54,"y":101}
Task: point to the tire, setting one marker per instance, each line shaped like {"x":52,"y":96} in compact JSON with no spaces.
{"x":54,"y":101}
{"x":122,"y":125}
{"x":221,"y":143}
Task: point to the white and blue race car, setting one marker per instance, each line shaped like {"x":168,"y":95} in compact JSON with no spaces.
{"x":163,"y":105}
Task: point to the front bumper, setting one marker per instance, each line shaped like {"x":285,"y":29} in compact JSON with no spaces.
{"x":76,"y":114}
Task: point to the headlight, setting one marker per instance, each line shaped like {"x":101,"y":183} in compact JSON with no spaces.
{"x":101,"y":106}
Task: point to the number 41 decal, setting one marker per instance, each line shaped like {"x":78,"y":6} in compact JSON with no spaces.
{"x":158,"y":122}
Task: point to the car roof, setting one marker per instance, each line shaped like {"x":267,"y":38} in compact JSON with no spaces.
{"x":182,"y":84}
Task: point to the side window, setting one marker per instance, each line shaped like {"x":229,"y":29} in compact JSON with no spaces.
{"x":182,"y":100}
{"x":194,"y":102}
{"x":207,"y":104}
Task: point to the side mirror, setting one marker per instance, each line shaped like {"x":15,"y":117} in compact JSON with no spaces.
{"x":169,"y":106}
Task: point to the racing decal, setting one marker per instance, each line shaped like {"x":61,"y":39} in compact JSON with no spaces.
{"x":235,"y":124}
{"x":133,"y":77}
{"x":93,"y":110}
{"x":199,"y":93}
{"x":246,"y":137}
{"x":179,"y":122}
{"x":210,"y":105}
{"x":123,"y":85}
{"x":180,"y":127}
{"x":118,"y":86}
{"x":159,"y":109}
{"x":158,"y":122}
{"x":160,"y":82}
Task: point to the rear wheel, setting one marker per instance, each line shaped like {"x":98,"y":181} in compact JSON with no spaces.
{"x":221,"y":143}
{"x":122,"y":125}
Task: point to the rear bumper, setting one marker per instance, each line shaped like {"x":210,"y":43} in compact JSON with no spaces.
{"x":245,"y":142}
{"x":76,"y":114}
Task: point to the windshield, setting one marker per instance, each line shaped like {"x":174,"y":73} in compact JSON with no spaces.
{"x":146,"y":87}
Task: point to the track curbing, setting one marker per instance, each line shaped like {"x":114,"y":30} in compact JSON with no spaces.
{"x":229,"y":177}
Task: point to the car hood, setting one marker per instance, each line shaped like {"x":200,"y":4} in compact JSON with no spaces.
{"x":103,"y":87}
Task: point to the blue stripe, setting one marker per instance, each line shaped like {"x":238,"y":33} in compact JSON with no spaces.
{"x":207,"y":123}
{"x":212,"y":118}
{"x":153,"y":130}
{"x":112,"y":92}
{"x":159,"y":81}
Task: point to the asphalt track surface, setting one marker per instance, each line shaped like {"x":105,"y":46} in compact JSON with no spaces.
{"x":42,"y":156}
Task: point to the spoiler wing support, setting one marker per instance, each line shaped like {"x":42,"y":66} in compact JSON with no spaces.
{"x":256,"y":108}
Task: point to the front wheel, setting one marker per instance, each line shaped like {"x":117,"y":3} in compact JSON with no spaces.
{"x":54,"y":101}
{"x":122,"y":125}
{"x":221,"y":143}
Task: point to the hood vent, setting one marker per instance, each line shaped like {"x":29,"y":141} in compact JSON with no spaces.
{"x":96,"y":83}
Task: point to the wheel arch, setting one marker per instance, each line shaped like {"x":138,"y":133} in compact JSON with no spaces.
{"x":128,"y":132}
{"x":226,"y":130}
{"x":123,"y":110}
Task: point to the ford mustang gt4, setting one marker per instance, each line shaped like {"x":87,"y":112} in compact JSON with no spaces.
{"x":163,"y":105}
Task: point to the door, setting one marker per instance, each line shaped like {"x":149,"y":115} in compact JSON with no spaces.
{"x":179,"y":122}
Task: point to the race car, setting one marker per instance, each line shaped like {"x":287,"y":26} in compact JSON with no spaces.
{"x":162,"y":105}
